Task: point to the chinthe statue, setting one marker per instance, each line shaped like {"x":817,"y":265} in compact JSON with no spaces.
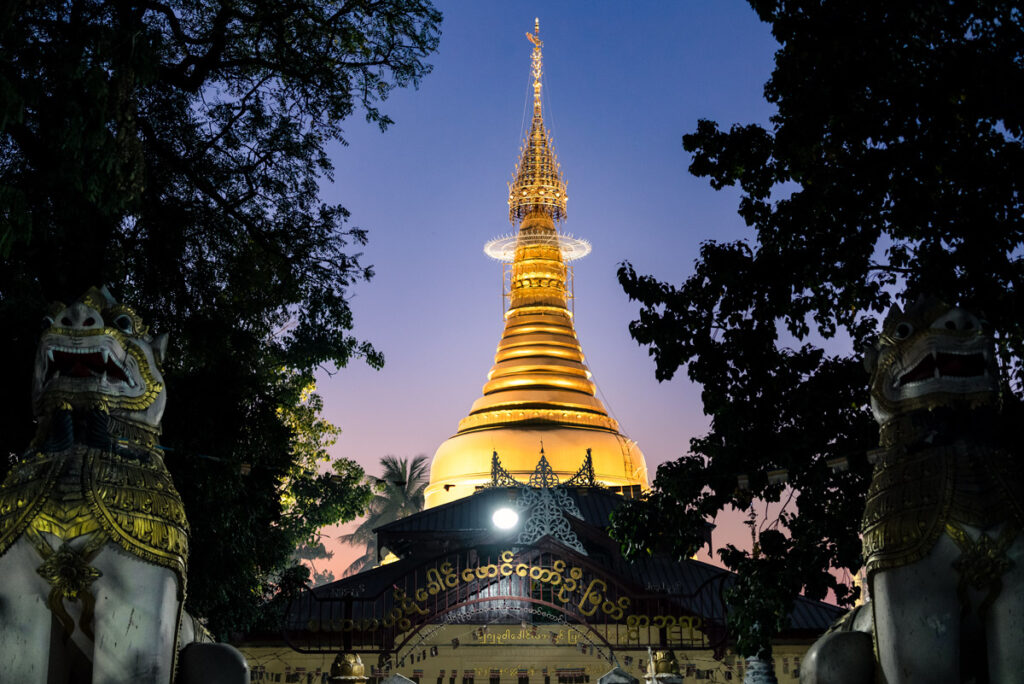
{"x":93,"y":535}
{"x":942,"y":522}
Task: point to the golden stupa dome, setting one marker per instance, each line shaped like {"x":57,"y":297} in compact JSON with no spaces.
{"x":539,"y":393}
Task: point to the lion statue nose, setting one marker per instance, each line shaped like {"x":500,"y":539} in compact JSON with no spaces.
{"x":79,"y":316}
{"x":957,"y":320}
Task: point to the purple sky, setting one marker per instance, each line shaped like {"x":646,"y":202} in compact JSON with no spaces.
{"x":623,"y":83}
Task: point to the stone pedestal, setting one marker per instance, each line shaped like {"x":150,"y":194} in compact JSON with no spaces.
{"x":397,"y":679}
{"x":617,"y":675}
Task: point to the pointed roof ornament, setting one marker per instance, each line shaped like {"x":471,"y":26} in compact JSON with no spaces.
{"x":536,"y":63}
{"x":538,"y":187}
{"x":544,"y":476}
{"x":544,"y":501}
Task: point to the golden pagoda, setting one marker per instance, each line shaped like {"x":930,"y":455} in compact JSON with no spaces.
{"x":539,"y":393}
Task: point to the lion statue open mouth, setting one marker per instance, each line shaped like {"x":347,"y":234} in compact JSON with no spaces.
{"x":931,"y":356}
{"x":97,"y":353}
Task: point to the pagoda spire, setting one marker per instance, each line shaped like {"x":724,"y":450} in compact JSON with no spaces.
{"x":538,"y":64}
{"x":539,"y":390}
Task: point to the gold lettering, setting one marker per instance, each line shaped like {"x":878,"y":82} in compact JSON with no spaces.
{"x":434,"y":582}
{"x":389,"y":619}
{"x":593,"y":597}
{"x":450,"y":578}
{"x":633,"y":625}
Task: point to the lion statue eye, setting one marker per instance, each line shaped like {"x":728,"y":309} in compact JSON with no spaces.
{"x":903,"y":331}
{"x":45,"y":323}
{"x":124,"y":323}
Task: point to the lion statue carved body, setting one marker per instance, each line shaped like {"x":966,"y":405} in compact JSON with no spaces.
{"x":943,"y":515}
{"x":93,"y":535}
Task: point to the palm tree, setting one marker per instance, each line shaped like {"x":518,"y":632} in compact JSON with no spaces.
{"x":399,"y":493}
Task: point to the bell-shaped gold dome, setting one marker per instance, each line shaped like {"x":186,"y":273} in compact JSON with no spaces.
{"x":539,"y":391}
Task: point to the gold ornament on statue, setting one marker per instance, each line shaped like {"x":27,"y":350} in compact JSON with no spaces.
{"x":348,"y":667}
{"x":665,"y":662}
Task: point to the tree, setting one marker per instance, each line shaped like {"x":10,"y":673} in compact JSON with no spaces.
{"x":312,"y":552}
{"x":174,"y":150}
{"x":399,"y":492}
{"x":893,"y":166}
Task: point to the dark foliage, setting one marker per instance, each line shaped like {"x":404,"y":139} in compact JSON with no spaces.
{"x":894,"y":164}
{"x":399,"y":492}
{"x":174,"y":151}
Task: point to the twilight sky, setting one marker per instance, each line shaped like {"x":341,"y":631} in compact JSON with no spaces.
{"x":623,"y":82}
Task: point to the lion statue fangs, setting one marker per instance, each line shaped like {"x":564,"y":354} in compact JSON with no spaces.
{"x":942,"y":519}
{"x":93,"y":535}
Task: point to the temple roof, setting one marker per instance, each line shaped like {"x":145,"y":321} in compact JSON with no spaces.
{"x":466,"y":523}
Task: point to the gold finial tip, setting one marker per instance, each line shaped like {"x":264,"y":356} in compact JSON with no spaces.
{"x":535,"y":36}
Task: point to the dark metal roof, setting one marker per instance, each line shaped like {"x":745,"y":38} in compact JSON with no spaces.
{"x":467,"y":522}
{"x":698,"y":585}
{"x":465,"y":514}
{"x":706,"y":583}
{"x":474,"y":512}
